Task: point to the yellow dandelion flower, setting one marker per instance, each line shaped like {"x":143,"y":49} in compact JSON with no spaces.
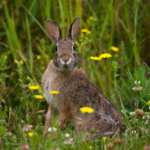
{"x":54,"y":92}
{"x":90,"y":18}
{"x":12,"y":73}
{"x":76,"y":43}
{"x":15,"y":61}
{"x":115,"y":49}
{"x":85,"y":31}
{"x":28,"y":78}
{"x":95,"y":58}
{"x":88,"y":32}
{"x":38,"y":96}
{"x":105,"y":55}
{"x":38,"y":57}
{"x":81,"y":36}
{"x":148,"y":102}
{"x":35,"y":87}
{"x":47,"y":56}
{"x":21,"y":62}
{"x":104,"y":138}
{"x":86,"y":110}
{"x":32,"y":133}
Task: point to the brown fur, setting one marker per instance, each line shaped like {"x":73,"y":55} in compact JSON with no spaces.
{"x":76,"y":90}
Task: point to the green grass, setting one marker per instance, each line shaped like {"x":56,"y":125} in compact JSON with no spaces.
{"x":123,"y":24}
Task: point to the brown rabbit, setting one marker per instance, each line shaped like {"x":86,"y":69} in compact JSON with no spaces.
{"x":75,"y":89}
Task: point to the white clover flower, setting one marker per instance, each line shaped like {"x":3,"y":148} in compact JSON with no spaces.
{"x":133,"y":132}
{"x":132,"y":113}
{"x":52,"y":129}
{"x":137,"y":87}
{"x":67,"y":135}
{"x":145,"y":117}
{"x":68,"y":141}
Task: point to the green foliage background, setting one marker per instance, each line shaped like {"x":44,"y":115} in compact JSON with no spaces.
{"x":120,"y":23}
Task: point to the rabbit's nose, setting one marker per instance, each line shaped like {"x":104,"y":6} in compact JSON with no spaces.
{"x":65,"y":58}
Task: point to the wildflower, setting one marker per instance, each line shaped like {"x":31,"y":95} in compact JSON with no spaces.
{"x":95,"y":58}
{"x":140,"y":112}
{"x":68,"y":141}
{"x":137,"y":87}
{"x":5,"y":57}
{"x":115,"y":49}
{"x":28,"y":78}
{"x":109,"y":146}
{"x":133,"y":132}
{"x":35,"y":87}
{"x":47,"y":56}
{"x":86,"y":31}
{"x":25,"y":147}
{"x":21,"y":62}
{"x":38,"y":57}
{"x":27,"y":127}
{"x":39,"y":97}
{"x":145,"y":117}
{"x":31,"y":134}
{"x":87,"y":110}
{"x":117,"y":141}
{"x":104,"y":138}
{"x":147,"y":147}
{"x":54,"y":92}
{"x":76,"y":43}
{"x":52,"y":129}
{"x":15,"y":61}
{"x":67,"y":135}
{"x":105,"y":55}
{"x":12,"y":73}
{"x":148,"y":102}
{"x":9,"y":134}
{"x":132,"y":113}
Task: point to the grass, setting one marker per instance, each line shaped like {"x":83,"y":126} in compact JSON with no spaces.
{"x":23,"y":38}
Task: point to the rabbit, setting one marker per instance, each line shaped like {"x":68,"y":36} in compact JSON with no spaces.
{"x":75,"y":89}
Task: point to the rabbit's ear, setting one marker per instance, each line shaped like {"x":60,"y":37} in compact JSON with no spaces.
{"x":73,"y":30}
{"x":53,"y":30}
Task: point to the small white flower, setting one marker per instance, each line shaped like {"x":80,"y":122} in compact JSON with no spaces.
{"x":145,"y":117}
{"x":137,"y":88}
{"x":133,"y":132}
{"x":67,"y":135}
{"x":52,"y":129}
{"x":68,"y":141}
{"x":132,"y":113}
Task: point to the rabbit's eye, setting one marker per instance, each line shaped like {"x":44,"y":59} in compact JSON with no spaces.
{"x":74,"y":47}
{"x":56,"y":48}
